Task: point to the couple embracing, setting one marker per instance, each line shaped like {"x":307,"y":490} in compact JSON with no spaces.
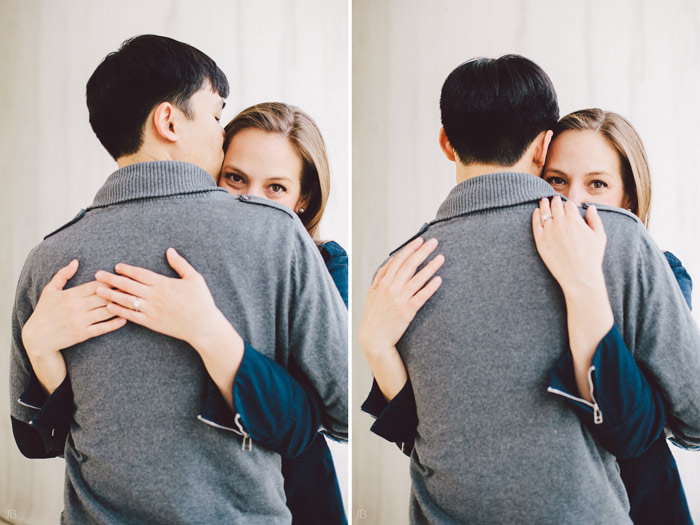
{"x":182,"y":341}
{"x":532,"y":357}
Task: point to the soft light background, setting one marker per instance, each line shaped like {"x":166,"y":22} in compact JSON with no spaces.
{"x":52,"y":164}
{"x":639,"y":58}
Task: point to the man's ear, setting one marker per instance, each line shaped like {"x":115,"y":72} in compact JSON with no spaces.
{"x":543,"y":140}
{"x":164,"y":121}
{"x":445,"y":145}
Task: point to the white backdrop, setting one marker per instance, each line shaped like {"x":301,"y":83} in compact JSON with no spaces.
{"x":639,"y":58}
{"x":52,"y":164}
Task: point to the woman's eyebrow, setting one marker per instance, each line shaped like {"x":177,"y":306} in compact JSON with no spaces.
{"x":231,"y":167}
{"x":555,"y":170}
{"x":597,"y":173}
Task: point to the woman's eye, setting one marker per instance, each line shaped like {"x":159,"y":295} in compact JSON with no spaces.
{"x":233,"y":177}
{"x":599,"y":184}
{"x":555,"y":181}
{"x":277,"y":188}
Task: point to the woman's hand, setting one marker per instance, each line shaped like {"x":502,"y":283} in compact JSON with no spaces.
{"x":179,"y":307}
{"x":61,"y":319}
{"x":572,"y":249}
{"x":396,"y":295}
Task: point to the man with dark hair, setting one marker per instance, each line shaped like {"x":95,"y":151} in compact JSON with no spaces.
{"x":146,"y":442}
{"x":492,"y":445}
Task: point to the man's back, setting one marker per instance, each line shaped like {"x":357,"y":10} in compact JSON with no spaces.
{"x":136,"y":451}
{"x":493,"y":446}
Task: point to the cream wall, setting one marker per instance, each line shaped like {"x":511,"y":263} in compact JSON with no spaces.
{"x":52,"y":164}
{"x":639,"y":58}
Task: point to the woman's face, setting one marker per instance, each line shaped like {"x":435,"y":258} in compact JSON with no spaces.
{"x":584,"y":167}
{"x":263,"y":164}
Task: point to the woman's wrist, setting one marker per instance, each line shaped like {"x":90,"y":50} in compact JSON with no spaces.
{"x":50,"y":370}
{"x":217,"y":338}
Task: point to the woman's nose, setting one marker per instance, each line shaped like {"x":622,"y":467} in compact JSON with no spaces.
{"x":575,"y":195}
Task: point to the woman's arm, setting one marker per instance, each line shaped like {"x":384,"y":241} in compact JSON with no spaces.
{"x":251,"y":394}
{"x":573,"y":250}
{"x":61,"y":319}
{"x":620,"y":405}
{"x":396,"y":295}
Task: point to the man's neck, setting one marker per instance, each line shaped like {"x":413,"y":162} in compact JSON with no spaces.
{"x":466,"y":172}
{"x":142,"y":156}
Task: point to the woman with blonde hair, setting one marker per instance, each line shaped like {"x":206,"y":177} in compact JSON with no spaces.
{"x":596,"y":157}
{"x":275,"y":156}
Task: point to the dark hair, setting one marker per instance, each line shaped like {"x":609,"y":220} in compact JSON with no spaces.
{"x":146,"y":71}
{"x":303,"y":133}
{"x":492,"y":109}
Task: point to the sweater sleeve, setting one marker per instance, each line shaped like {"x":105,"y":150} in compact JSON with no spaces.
{"x":276,"y":407}
{"x":632,"y":412}
{"x":666,"y":340}
{"x":318,"y":337}
{"x":627,"y":414}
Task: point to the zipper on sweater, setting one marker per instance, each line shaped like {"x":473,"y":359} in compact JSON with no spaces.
{"x":245,"y":434}
{"x":597,"y":413}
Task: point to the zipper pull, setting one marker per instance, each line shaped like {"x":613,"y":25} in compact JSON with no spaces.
{"x":247,"y":443}
{"x":597,"y":414}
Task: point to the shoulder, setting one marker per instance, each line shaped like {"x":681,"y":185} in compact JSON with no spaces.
{"x":252,"y":200}
{"x":617,"y":215}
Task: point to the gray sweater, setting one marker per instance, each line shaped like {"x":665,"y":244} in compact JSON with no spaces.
{"x":493,"y":446}
{"x":136,"y":452}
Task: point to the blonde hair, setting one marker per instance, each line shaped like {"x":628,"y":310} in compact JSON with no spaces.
{"x":628,"y":144}
{"x":304,"y":135}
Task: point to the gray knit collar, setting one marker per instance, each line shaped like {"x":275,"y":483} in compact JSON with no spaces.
{"x":146,"y":180}
{"x":494,"y":190}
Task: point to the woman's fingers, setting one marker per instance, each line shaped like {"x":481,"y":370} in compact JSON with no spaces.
{"x":420,"y":278}
{"x":380,"y":274}
{"x":537,"y":227}
{"x":98,"y":315}
{"x":397,"y":261}
{"x":125,"y":284}
{"x":136,"y":273}
{"x":410,"y":265}
{"x":418,"y":300}
{"x":105,"y":327}
{"x":62,"y":276}
{"x":545,"y":210}
{"x":128,"y":314}
{"x":593,"y":219}
{"x":125,"y":300}
{"x":557,"y":207}
{"x":178,"y":263}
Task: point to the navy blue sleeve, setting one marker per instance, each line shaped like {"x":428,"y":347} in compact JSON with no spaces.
{"x":274,"y":406}
{"x":682,"y":276}
{"x":45,"y":435}
{"x":336,"y":259}
{"x":627,"y":414}
{"x":396,"y":420}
